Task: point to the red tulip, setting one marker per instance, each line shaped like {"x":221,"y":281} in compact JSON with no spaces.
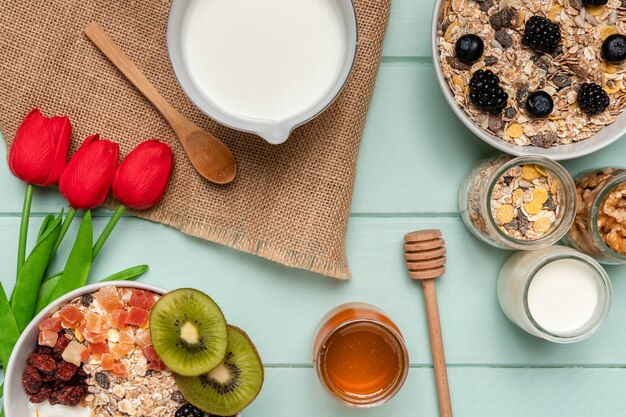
{"x":86,"y":181}
{"x":141,"y":179}
{"x":40,"y":147}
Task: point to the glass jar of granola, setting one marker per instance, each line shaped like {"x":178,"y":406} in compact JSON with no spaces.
{"x":521,"y":203}
{"x":600,"y":226}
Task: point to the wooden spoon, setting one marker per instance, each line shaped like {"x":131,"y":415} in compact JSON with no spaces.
{"x":211,"y":158}
{"x":424,"y":252}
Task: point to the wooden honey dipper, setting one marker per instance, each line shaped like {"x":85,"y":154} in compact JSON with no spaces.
{"x":424,"y":252}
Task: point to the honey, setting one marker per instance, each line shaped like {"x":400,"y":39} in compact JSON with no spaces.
{"x":360,"y":355}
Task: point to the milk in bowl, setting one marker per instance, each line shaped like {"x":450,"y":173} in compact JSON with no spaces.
{"x":263,"y":66}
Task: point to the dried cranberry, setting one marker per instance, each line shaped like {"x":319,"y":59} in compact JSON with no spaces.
{"x":43,"y":363}
{"x":70,"y":395}
{"x":59,"y":385}
{"x":41,"y":396}
{"x":49,"y":378}
{"x":61,"y":345}
{"x":31,"y":379}
{"x":66,"y":371}
{"x":45,"y":350}
{"x":79,"y":378}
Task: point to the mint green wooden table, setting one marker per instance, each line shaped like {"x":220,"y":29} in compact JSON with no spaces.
{"x":414,"y":155}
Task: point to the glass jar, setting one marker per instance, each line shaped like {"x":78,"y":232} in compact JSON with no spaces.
{"x":599,"y":229}
{"x":556,"y":293}
{"x":520,"y":203}
{"x":360,"y":355}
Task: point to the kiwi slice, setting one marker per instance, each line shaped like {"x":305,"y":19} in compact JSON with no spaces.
{"x":232,"y":385}
{"x":188,"y":332}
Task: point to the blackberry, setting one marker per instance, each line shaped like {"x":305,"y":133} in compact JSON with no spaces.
{"x":486,"y":93}
{"x":592,"y":98}
{"x":595,"y":2}
{"x":189,"y":410}
{"x":541,"y":34}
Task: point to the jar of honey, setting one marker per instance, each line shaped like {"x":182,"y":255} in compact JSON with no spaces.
{"x":360,"y":355}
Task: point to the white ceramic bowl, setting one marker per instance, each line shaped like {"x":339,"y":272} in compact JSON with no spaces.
{"x":273,"y":131}
{"x":15,"y":398}
{"x":592,"y":144}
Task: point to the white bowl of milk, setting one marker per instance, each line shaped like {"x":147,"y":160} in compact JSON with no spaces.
{"x":263,"y":67}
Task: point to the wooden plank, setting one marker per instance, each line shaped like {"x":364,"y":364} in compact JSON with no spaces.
{"x":409,"y":28}
{"x":414,"y":154}
{"x":400,"y":169}
{"x":476,"y":392}
{"x":281,"y":307}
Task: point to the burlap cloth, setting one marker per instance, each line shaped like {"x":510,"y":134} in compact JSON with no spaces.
{"x":290,"y":203}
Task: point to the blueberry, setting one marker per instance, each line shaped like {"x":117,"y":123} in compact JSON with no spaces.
{"x":539,"y":104}
{"x":469,"y":48}
{"x":614,"y":48}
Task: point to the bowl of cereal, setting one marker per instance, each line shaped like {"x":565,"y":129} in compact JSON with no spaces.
{"x":99,"y":351}
{"x":534,"y":77}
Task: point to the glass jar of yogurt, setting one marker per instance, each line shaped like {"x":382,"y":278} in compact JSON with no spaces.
{"x":599,"y":229}
{"x":557,"y":293}
{"x":521,"y":203}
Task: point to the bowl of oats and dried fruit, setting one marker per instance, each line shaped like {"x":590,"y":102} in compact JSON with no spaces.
{"x":123,"y":349}
{"x":534,"y":76}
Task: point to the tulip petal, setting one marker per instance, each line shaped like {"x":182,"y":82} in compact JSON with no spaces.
{"x":33,"y":149}
{"x":86,"y":180}
{"x":142,"y":178}
{"x":62,"y":130}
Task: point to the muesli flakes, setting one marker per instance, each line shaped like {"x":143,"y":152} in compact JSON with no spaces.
{"x":521,"y":70}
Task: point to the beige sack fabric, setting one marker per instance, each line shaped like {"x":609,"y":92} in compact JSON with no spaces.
{"x":290,"y":203}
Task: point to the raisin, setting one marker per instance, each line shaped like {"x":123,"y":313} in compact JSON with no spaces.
{"x":549,"y":204}
{"x":86,"y":300}
{"x":177,"y":397}
{"x":503,"y":37}
{"x":103,"y":380}
{"x":66,"y":371}
{"x":503,"y":18}
{"x":42,"y":395}
{"x":544,"y":140}
{"x":562,"y":81}
{"x":490,"y":60}
{"x":31,"y":379}
{"x":43,"y":363}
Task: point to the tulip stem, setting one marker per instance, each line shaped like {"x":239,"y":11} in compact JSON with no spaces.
{"x":64,"y":228}
{"x":21,"y":248}
{"x":107,"y":230}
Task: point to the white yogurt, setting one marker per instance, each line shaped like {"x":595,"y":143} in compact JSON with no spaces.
{"x":563,"y":296}
{"x":264,"y":60}
{"x":556,"y":293}
{"x":47,"y":410}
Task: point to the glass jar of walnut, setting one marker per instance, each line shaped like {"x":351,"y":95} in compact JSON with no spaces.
{"x":521,"y":203}
{"x":600,"y":226}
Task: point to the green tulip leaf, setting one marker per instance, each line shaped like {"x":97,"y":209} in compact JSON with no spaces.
{"x":129,"y":274}
{"x":42,"y":231}
{"x":10,"y":330}
{"x":44,"y":226}
{"x":24,"y":297}
{"x":45,"y":292}
{"x":78,"y":264}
